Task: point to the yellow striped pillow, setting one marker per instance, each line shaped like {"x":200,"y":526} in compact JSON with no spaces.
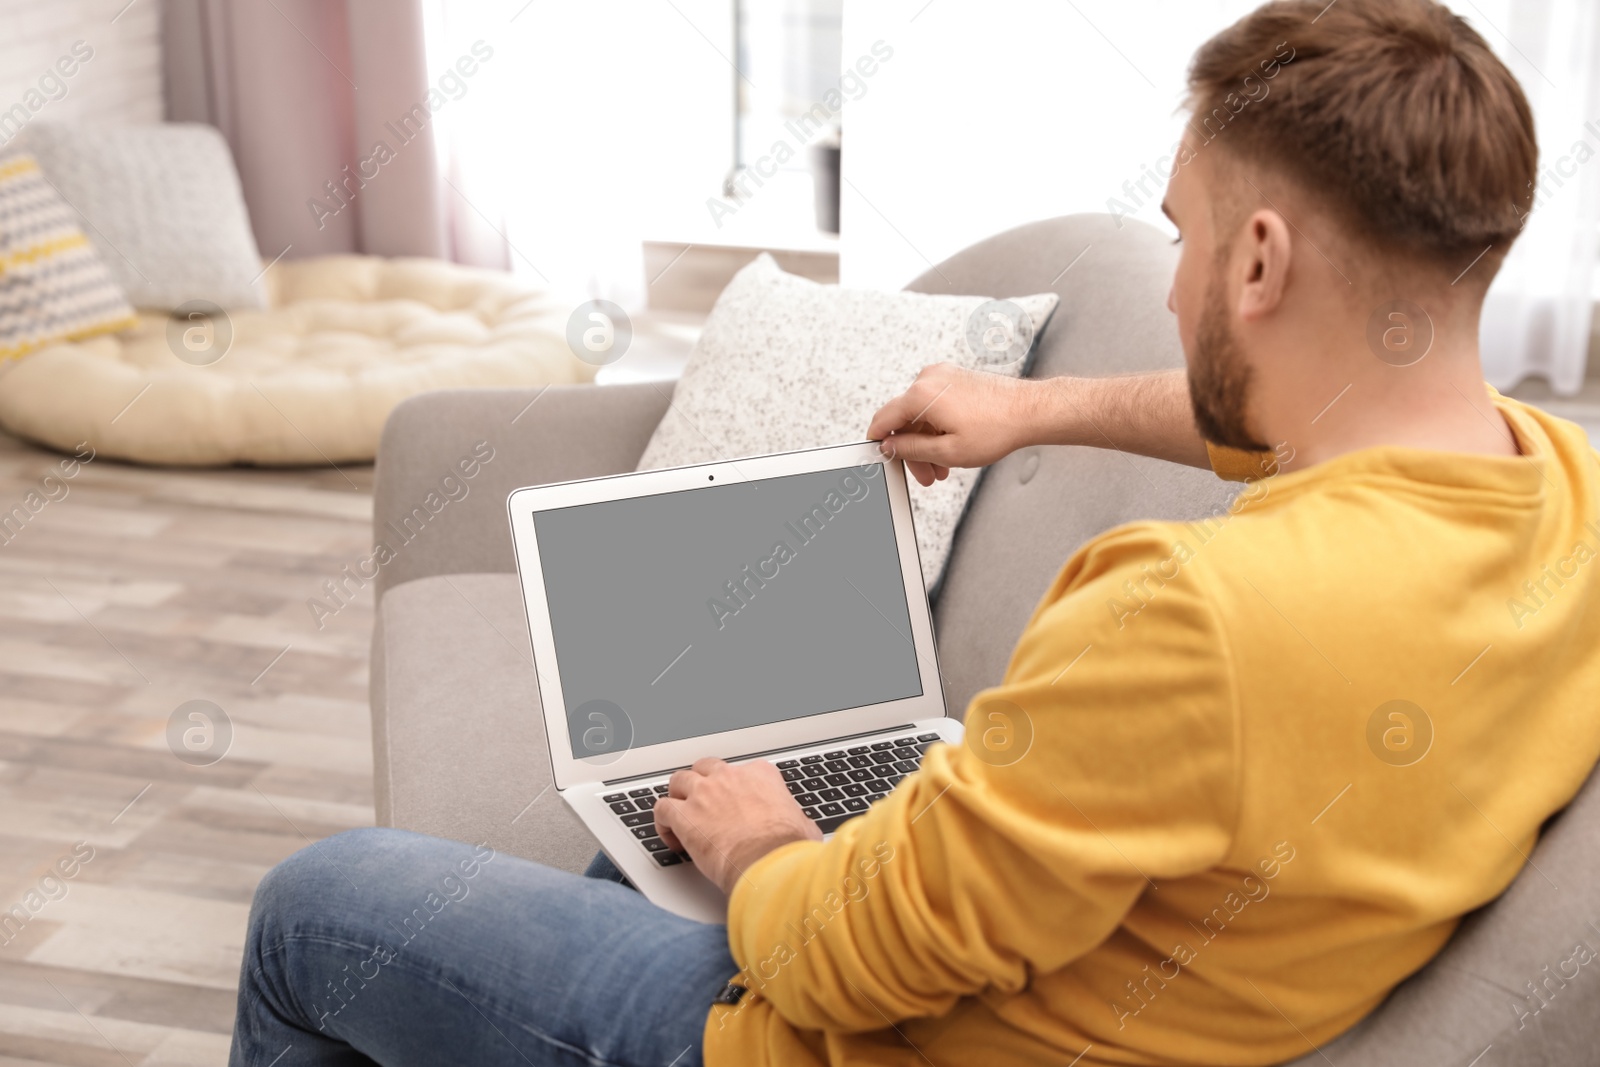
{"x":53,"y":286}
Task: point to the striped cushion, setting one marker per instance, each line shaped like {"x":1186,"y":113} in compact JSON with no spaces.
{"x":53,"y":286}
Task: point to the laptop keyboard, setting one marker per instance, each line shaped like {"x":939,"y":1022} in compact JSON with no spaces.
{"x":830,"y":787}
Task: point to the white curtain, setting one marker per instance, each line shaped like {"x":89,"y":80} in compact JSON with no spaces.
{"x":1537,"y":317}
{"x":591,"y":128}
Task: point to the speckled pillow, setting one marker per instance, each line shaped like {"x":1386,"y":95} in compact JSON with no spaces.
{"x":785,"y":364}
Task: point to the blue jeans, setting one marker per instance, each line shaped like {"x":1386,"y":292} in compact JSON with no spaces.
{"x":381,"y":946}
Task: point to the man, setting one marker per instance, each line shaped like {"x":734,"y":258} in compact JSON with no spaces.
{"x":1274,"y":757}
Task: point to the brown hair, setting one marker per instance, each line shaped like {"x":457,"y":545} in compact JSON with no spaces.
{"x":1394,"y":113}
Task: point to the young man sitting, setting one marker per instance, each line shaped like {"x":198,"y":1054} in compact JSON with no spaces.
{"x":1274,"y":758}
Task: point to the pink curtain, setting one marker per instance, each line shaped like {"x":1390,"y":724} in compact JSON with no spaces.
{"x":324,"y":105}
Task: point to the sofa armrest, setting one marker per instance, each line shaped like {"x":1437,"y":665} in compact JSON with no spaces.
{"x":436,"y":519}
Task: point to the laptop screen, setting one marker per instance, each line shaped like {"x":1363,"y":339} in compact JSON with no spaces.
{"x":706,"y":610}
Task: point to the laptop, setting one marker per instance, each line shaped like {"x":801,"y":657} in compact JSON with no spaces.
{"x":764,"y":608}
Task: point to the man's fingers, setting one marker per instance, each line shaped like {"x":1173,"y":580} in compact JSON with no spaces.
{"x":709,"y":766}
{"x":679,"y":784}
{"x":891,"y":417}
{"x":913,"y":448}
{"x":923,"y":447}
{"x":665,"y":811}
{"x":924,"y":473}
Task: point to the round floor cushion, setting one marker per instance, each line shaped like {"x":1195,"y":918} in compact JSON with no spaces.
{"x":310,"y":379}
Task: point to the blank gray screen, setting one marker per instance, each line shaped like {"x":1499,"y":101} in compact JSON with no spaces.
{"x":706,"y":610}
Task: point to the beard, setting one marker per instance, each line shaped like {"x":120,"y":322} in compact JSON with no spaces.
{"x":1219,"y":378}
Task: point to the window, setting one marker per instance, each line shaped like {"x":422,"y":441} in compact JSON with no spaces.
{"x":788,"y":60}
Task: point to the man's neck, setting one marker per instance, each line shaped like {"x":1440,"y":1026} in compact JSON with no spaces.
{"x":1439,"y":403}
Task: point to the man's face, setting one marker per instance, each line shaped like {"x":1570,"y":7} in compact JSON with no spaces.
{"x":1219,"y":373}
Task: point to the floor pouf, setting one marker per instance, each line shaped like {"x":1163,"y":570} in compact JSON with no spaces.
{"x":308,"y":380}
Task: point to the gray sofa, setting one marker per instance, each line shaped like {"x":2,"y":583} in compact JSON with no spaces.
{"x":459,"y":752}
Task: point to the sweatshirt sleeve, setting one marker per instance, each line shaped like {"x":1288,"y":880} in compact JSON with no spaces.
{"x":1105,"y":763}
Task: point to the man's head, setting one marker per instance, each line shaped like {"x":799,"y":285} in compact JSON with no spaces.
{"x":1337,"y":157}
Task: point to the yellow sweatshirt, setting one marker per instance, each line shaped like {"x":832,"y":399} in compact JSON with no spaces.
{"x":1242,"y":777}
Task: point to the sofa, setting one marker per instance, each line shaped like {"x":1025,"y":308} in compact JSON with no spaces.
{"x":458,"y":745}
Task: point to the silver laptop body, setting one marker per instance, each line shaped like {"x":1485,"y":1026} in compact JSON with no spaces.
{"x":763,"y":608}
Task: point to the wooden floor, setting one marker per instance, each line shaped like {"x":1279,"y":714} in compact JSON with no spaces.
{"x":137,"y":591}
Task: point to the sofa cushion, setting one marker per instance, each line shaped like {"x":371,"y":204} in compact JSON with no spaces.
{"x":458,"y":742}
{"x":785,"y":364}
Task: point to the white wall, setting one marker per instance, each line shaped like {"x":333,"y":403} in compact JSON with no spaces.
{"x":997,"y":112}
{"x":120,"y":82}
{"x":993,"y":114}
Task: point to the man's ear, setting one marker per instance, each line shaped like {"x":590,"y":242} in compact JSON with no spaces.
{"x":1266,"y":264}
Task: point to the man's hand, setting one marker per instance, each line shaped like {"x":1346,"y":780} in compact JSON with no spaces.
{"x":951,"y":417}
{"x":728,"y":817}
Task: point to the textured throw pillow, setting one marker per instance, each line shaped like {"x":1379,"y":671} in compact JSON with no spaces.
{"x":162,"y":205}
{"x":52,"y":285}
{"x":785,"y":364}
